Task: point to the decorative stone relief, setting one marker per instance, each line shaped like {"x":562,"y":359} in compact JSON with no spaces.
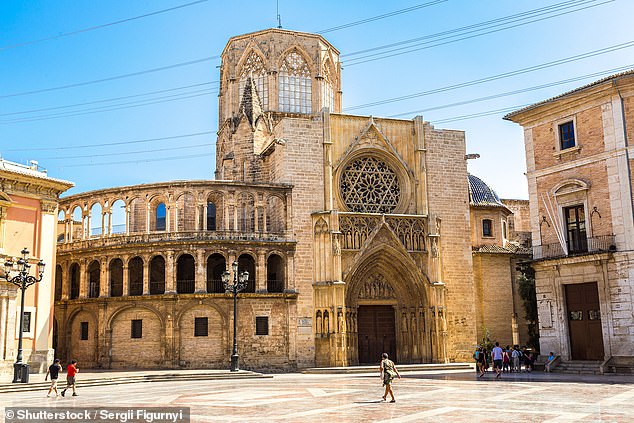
{"x":376,"y":288}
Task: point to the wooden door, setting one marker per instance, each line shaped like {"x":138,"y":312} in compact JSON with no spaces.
{"x":377,"y":333}
{"x":584,"y":321}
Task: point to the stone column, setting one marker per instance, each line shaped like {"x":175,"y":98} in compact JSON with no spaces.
{"x":83,"y":279}
{"x":204,"y":222}
{"x":168,"y":220}
{"x":65,"y":280}
{"x":289,"y":214}
{"x":197,"y":218}
{"x":85,"y":224}
{"x":170,"y":276}
{"x":146,"y":275}
{"x":126,"y":278}
{"x":261,"y":273}
{"x":127,"y":220}
{"x":290,"y":271}
{"x":103,"y":278}
{"x":200,"y":282}
{"x":147,"y":218}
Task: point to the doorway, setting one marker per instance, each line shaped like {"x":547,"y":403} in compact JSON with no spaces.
{"x":584,"y":321}
{"x":377,"y":333}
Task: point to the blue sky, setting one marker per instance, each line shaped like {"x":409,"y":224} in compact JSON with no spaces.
{"x":68,"y":140}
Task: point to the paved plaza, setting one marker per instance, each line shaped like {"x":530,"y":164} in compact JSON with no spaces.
{"x":456,"y":396}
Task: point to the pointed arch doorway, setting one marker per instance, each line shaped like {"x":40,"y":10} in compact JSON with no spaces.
{"x":377,"y":332}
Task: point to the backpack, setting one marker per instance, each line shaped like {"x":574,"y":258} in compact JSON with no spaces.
{"x":475,"y":355}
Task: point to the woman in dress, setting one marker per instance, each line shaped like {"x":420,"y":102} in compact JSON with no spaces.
{"x":388,"y":373}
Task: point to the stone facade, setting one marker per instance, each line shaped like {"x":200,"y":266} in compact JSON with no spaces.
{"x":356,"y":230}
{"x":579,"y":173}
{"x":28,"y":204}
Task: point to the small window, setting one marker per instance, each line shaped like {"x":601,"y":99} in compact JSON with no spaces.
{"x":137,"y":329}
{"x":262,"y":325}
{"x":504,"y":231}
{"x":487,"y":227}
{"x":84,"y":331}
{"x":26,"y":322}
{"x":201,"y":326}
{"x":567,"y":135}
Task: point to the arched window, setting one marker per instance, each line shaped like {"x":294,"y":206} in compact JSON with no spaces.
{"x":73,"y":278}
{"x":275,"y":274}
{"x":135,"y":276}
{"x":246,"y":210}
{"x":160,"y":214}
{"x":185,"y":274}
{"x":275,"y":215}
{"x":216,"y":266}
{"x":95,"y":220}
{"x":58,"y":282}
{"x":116,"y":278}
{"x":327,"y":91}
{"x":157,"y":275}
{"x":295,"y":85}
{"x":77,"y":224}
{"x":61,"y":226}
{"x":118,"y":217}
{"x":254,"y":67}
{"x":211,"y":216}
{"x":94,"y":272}
{"x":247,"y":263}
{"x":186,"y":209}
{"x":138,"y":215}
{"x":487,"y":227}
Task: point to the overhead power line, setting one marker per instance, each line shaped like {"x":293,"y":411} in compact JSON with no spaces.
{"x":111,"y":78}
{"x":104,"y":100}
{"x":499,"y":24}
{"x":119,"y":153}
{"x":509,"y":74}
{"x":92,"y":28}
{"x":520,"y":91}
{"x":108,"y":144}
{"x":383,"y":16}
{"x":128,"y":105}
{"x":138,"y":161}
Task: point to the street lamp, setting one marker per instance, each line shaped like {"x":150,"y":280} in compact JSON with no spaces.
{"x":239,"y":283}
{"x":22,"y":280}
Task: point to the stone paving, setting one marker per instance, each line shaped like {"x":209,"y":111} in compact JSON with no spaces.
{"x":456,"y":396}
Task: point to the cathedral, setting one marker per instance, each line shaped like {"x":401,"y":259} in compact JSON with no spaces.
{"x":356,"y":233}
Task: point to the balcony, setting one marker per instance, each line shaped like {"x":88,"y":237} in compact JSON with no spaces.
{"x":597,"y":244}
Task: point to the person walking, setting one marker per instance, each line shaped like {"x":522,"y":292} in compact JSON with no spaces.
{"x":516,"y":355}
{"x":506,"y":359}
{"x":481,"y":360}
{"x":71,"y":371}
{"x":388,"y":373}
{"x":53,"y":371}
{"x":496,"y":355}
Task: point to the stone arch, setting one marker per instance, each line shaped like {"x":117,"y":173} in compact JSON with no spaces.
{"x":208,"y":351}
{"x":144,"y":352}
{"x":303,"y":53}
{"x":275,"y":214}
{"x":186,"y":211}
{"x":94,"y":279}
{"x":275,"y":272}
{"x":185,"y":273}
{"x":246,"y":212}
{"x":115,"y":271}
{"x":216,"y":264}
{"x":95,"y":219}
{"x":73,"y":280}
{"x":83,"y":350}
{"x":157,"y":275}
{"x":137,"y":218}
{"x":118,"y":217}
{"x":136,"y":269}
{"x":247,"y":262}
{"x":568,"y":186}
{"x":59,"y":281}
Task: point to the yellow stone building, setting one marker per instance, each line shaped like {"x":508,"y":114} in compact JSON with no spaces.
{"x":355,"y":231}
{"x":28,"y":208}
{"x":579,"y":162}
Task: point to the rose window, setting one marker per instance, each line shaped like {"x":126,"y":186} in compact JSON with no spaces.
{"x":368,"y":185}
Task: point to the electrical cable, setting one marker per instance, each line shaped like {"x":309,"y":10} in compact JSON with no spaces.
{"x":180,"y":147}
{"x":146,"y":140}
{"x":546,"y":65}
{"x":138,"y":161}
{"x":92,"y":28}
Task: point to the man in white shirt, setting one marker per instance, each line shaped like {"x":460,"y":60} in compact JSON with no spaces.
{"x":496,"y":355}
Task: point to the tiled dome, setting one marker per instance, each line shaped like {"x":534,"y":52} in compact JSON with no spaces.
{"x":480,"y":194}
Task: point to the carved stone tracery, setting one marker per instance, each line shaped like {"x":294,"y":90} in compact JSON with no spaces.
{"x":369,"y":185}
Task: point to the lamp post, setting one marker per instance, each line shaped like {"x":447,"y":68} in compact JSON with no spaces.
{"x":239,"y":283}
{"x":22,"y":280}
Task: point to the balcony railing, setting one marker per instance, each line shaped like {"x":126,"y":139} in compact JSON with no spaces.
{"x":215,"y":286}
{"x":185,"y":286}
{"x":141,"y":238}
{"x":596,"y":244}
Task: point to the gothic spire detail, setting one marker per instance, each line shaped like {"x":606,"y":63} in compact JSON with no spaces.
{"x":251,"y":106}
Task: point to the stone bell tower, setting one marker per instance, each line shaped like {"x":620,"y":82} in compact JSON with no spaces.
{"x":265,"y":77}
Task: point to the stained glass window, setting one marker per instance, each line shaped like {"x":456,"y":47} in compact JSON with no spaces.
{"x":369,"y":185}
{"x":254,"y":67}
{"x":295,"y":85}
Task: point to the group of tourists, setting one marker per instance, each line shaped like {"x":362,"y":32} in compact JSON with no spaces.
{"x":54,"y":370}
{"x":504,"y":360}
